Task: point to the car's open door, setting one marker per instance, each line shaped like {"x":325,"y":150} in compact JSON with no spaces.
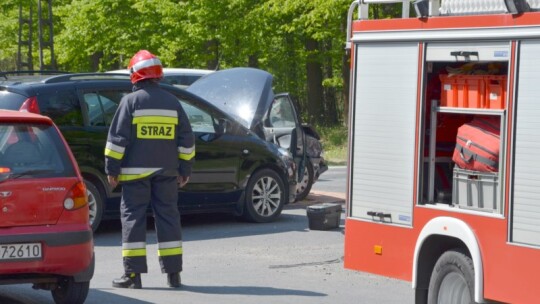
{"x":282,"y":126}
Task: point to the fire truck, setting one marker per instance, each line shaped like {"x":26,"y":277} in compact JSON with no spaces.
{"x":418,"y":207}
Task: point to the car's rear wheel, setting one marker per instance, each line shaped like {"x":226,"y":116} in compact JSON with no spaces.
{"x":95,"y":204}
{"x":70,"y":292}
{"x":304,"y":186}
{"x":265,"y":196}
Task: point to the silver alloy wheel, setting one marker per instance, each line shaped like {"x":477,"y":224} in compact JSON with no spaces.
{"x":92,"y":206}
{"x":266,"y":196}
{"x":454,"y":289}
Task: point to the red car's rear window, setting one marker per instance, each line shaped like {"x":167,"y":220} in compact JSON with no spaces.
{"x":34,"y":151}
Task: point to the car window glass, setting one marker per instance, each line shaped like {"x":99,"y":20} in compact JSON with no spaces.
{"x":200,"y":120}
{"x":36,"y":150}
{"x":62,"y":106}
{"x":181,"y":80}
{"x":281,"y":114}
{"x":101,"y":106}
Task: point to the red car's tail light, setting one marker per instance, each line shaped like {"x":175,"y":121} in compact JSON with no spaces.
{"x":30,"y":105}
{"x":76,"y":197}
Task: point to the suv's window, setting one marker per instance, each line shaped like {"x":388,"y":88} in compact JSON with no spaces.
{"x":181,"y":80}
{"x":33,"y":150}
{"x":62,"y":106}
{"x":10,"y":100}
{"x":200,"y":120}
{"x":101,"y":106}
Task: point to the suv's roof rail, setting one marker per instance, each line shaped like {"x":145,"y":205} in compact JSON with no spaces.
{"x":85,"y":76}
{"x":30,"y":72}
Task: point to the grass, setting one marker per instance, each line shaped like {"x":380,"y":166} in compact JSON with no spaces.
{"x":334,"y":141}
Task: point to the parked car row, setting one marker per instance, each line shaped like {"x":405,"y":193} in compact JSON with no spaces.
{"x":241,"y":149}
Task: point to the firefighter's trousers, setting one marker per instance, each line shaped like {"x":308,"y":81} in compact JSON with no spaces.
{"x":161,"y":192}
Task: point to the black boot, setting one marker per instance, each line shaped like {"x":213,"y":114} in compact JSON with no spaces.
{"x":173,"y":279}
{"x":128,"y":280}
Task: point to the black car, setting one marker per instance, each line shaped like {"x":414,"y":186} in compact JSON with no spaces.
{"x":235,"y":169}
{"x":247,"y":95}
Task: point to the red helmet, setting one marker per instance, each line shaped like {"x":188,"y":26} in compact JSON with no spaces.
{"x":144,"y":65}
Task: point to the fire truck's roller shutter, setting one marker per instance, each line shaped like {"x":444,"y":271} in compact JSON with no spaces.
{"x":526,"y":187}
{"x":384,"y":131}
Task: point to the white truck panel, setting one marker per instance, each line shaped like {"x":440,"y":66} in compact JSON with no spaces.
{"x":384,"y":136}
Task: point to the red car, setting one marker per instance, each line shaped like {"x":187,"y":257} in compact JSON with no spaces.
{"x":45,"y":235}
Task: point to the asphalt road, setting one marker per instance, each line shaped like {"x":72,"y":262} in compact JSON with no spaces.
{"x":227,"y":261}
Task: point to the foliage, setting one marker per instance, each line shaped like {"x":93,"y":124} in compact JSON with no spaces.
{"x":100,"y":35}
{"x":334,"y":140}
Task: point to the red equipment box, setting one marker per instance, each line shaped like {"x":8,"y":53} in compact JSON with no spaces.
{"x":473,"y":91}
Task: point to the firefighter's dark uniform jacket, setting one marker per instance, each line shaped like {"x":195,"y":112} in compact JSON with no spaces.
{"x":150,"y":142}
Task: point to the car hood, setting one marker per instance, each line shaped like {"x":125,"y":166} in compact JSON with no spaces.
{"x":244,"y":93}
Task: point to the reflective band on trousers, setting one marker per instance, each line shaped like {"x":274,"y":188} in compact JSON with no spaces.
{"x":186,"y":153}
{"x":130,"y":174}
{"x":170,"y":248}
{"x":134,"y":249}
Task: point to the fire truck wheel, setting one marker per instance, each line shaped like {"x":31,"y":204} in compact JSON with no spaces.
{"x":265,"y":197}
{"x":452,"y":279}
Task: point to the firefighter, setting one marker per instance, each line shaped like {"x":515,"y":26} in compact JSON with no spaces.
{"x":150,"y":150}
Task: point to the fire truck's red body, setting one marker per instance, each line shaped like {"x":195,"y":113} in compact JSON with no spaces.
{"x":415,"y":210}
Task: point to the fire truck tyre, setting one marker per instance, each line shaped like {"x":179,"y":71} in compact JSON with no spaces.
{"x":95,"y":204}
{"x":304,"y":186}
{"x":452,"y":279}
{"x":70,"y":292}
{"x":265,"y":197}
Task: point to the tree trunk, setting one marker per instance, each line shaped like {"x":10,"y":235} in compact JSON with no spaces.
{"x":212,"y":47}
{"x":315,"y":92}
{"x":95,"y":59}
{"x":330,"y":98}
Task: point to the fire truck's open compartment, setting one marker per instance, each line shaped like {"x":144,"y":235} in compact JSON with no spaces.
{"x":460,"y":87}
{"x":475,"y":190}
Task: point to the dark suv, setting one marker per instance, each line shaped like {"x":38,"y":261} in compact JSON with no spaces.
{"x":235,"y":169}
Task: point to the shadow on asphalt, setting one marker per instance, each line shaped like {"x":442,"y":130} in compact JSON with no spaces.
{"x":23,"y":294}
{"x":245,"y":290}
{"x":198,"y":227}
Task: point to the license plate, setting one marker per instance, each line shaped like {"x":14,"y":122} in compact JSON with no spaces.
{"x":20,"y":251}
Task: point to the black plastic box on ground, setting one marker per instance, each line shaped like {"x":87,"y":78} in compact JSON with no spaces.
{"x":324,"y":216}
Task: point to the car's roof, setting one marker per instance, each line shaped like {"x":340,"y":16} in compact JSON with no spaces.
{"x":172,"y":71}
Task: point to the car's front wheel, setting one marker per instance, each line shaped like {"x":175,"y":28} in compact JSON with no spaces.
{"x":304,"y":186}
{"x":265,"y":196}
{"x":70,"y":292}
{"x":95,"y":204}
